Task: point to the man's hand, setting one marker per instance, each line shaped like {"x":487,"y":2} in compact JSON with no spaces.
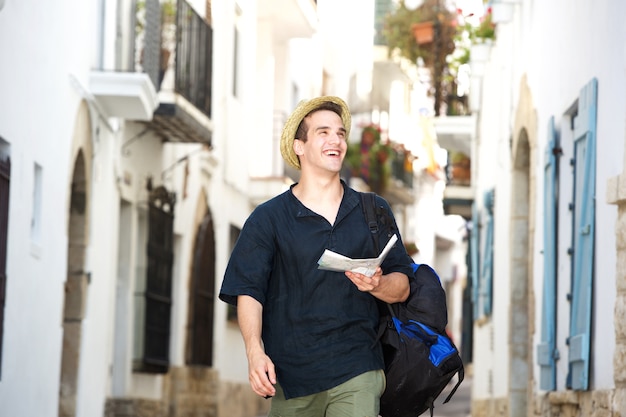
{"x":261,"y":373}
{"x":391,"y":288}
{"x":365,"y":283}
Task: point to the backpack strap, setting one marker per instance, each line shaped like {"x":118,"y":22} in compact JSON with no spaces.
{"x":368,"y":201}
{"x":461,"y":374}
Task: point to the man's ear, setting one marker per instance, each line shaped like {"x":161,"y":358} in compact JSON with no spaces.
{"x":297,"y":146}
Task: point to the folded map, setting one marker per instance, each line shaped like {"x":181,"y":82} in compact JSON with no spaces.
{"x":332,"y":261}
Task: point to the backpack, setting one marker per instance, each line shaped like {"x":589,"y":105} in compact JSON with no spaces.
{"x":420,"y":358}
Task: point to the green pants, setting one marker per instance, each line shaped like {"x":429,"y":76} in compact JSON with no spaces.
{"x":357,"y":397}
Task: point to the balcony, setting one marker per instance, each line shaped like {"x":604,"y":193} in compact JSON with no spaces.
{"x":399,"y":190}
{"x":163,"y":71}
{"x":389,"y":174}
{"x":173,"y":45}
{"x":455,"y":134}
{"x":126,"y":95}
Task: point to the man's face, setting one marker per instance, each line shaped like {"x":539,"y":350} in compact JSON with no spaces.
{"x":326,"y":144}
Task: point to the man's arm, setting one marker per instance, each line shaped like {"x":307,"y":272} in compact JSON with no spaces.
{"x":261,"y":371}
{"x":391,"y":288}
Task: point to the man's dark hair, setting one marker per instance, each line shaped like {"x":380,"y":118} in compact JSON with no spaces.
{"x":303,"y":127}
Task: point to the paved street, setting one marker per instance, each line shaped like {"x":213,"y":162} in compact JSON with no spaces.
{"x":459,"y":405}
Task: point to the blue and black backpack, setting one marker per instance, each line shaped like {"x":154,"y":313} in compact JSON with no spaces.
{"x":420,"y":358}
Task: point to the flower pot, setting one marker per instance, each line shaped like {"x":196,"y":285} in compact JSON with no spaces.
{"x":502,"y":12}
{"x":423,"y":32}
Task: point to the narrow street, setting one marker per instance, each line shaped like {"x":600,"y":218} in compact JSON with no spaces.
{"x":459,"y":405}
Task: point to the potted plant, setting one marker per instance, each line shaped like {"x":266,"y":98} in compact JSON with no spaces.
{"x":460,"y":168}
{"x":370,"y":159}
{"x":401,"y":34}
{"x":485,"y":32}
{"x":423,"y":32}
{"x":481,"y":38}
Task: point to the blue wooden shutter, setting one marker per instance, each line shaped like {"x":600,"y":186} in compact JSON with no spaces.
{"x":547,"y":353}
{"x":583,"y":231}
{"x":486,"y":277}
{"x":474,"y":258}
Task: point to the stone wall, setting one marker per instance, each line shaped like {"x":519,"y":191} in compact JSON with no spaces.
{"x":133,"y":407}
{"x":238,"y":400}
{"x":496,"y":407}
{"x":193,"y":392}
{"x":187,"y":392}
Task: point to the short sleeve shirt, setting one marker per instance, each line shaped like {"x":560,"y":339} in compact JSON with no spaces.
{"x":318,"y":328}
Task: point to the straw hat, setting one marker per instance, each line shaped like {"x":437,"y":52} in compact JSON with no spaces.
{"x":302,"y":110}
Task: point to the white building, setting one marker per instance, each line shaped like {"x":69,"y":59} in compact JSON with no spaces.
{"x":130,"y":136}
{"x":136,"y":136}
{"x":549,"y":163}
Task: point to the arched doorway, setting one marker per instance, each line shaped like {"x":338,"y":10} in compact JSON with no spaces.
{"x":77,"y":278}
{"x":75,"y":289}
{"x":520,"y":277}
{"x":202,"y":296}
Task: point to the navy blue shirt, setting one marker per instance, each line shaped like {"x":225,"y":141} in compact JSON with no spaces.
{"x":318,"y":328}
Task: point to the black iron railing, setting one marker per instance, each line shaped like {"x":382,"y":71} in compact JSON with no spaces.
{"x":402,"y":167}
{"x":194,"y":57}
{"x":174,"y":47}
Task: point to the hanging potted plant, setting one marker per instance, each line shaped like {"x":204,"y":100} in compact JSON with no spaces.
{"x":485,"y":33}
{"x":423,"y":32}
{"x":403,"y":35}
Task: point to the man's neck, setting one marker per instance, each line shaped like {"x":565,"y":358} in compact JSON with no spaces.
{"x":319,"y":188}
{"x":321,"y":195}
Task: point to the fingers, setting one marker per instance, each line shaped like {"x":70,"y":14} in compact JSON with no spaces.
{"x":262,"y":379}
{"x":363,"y":282}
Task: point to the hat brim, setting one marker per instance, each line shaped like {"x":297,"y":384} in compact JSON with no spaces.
{"x":305,"y":107}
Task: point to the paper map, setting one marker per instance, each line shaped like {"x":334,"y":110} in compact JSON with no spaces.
{"x":332,"y":261}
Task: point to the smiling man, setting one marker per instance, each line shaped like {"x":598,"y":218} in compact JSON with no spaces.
{"x":310,"y":334}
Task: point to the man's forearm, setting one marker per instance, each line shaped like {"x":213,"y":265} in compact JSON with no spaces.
{"x":250,"y":317}
{"x":393,"y":288}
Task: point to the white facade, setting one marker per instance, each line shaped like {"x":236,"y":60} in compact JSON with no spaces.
{"x":82,"y":160}
{"x":89,"y":139}
{"x":530,"y":78}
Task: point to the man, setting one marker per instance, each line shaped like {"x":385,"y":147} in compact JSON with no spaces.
{"x":311,"y":334}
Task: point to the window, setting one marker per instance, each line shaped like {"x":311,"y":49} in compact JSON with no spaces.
{"x":482,"y":267}
{"x":231,"y":315}
{"x":583,"y":236}
{"x":579,"y":230}
{"x":547,"y":353}
{"x":35,"y":222}
{"x":5,"y":182}
{"x":486,"y":274}
{"x":202,"y":296}
{"x":153,"y":296}
{"x":475,"y":258}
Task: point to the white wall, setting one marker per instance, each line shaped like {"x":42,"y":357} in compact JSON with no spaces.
{"x":557,"y":67}
{"x":40,"y":45}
